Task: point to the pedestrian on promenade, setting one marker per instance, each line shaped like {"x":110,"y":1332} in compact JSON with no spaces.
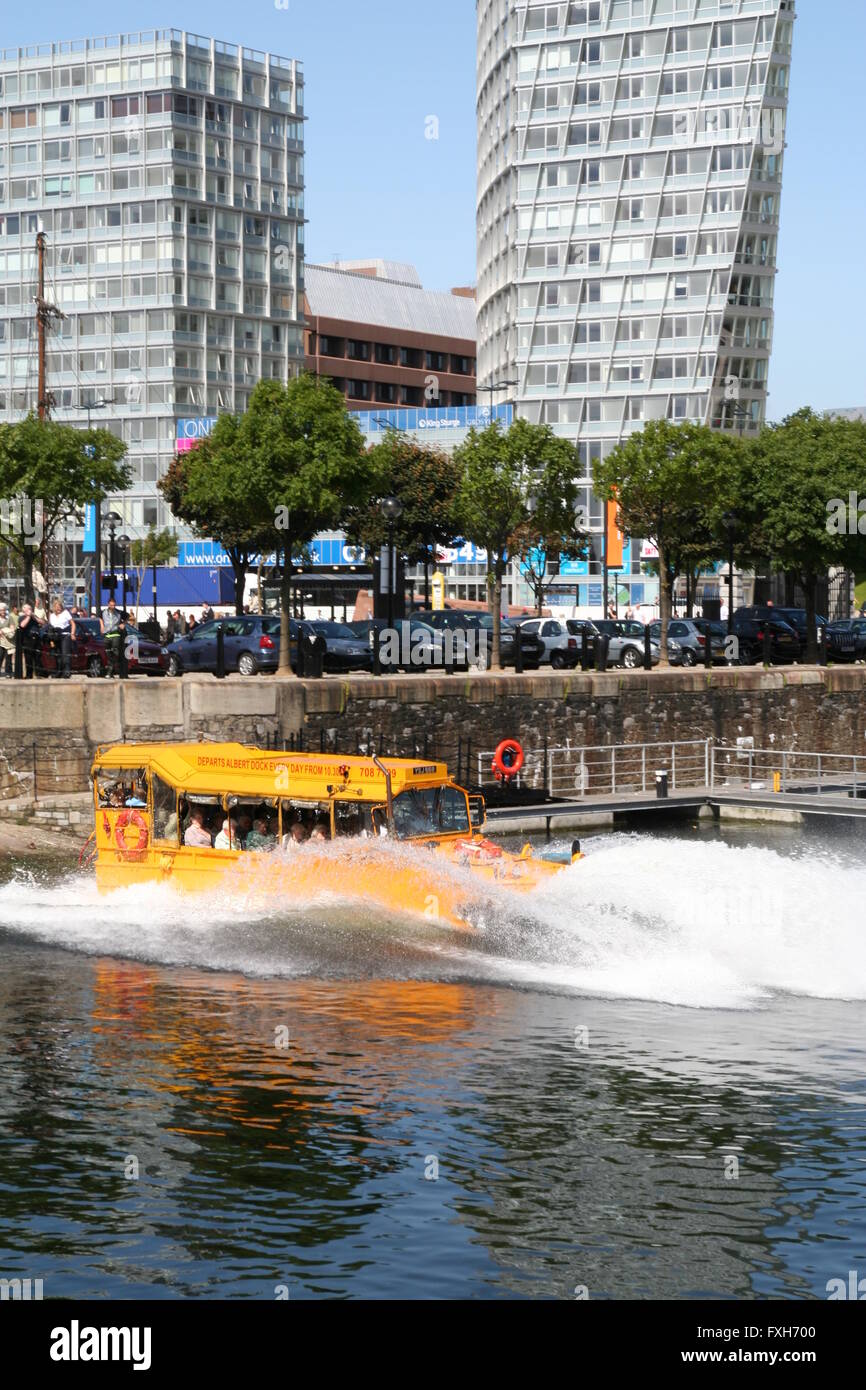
{"x":62,"y":630}
{"x":207,"y":613}
{"x":112,"y":628}
{"x":29,"y":638}
{"x":8,"y":628}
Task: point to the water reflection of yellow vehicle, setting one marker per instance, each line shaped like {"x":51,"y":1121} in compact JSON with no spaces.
{"x":203,"y":815}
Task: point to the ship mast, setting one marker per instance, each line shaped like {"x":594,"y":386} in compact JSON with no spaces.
{"x":45,"y":312}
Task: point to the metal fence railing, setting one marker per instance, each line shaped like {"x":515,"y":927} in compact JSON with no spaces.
{"x":609,"y":769}
{"x":743,"y":768}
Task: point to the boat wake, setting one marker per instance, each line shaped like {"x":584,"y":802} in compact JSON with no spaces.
{"x":704,"y":925}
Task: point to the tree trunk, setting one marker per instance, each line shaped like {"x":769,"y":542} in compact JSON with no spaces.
{"x":665,"y":591}
{"x":239,"y":569}
{"x":495,"y":612}
{"x":284,"y":667}
{"x":810,"y":584}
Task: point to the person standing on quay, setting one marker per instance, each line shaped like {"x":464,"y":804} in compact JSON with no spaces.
{"x":61,"y":626}
{"x":29,"y":638}
{"x":113,"y":630}
{"x":8,"y":626}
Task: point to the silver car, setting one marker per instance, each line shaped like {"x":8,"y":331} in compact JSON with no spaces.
{"x":560,"y":647}
{"x":627,"y":644}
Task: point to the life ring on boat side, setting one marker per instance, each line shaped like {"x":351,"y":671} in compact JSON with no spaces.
{"x":508,"y":759}
{"x":127,"y":818}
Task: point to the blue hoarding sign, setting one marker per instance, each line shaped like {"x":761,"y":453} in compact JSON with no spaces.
{"x":89,"y":545}
{"x":436,"y":422}
{"x":197,"y":428}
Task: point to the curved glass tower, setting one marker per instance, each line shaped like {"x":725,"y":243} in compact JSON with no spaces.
{"x":629,"y":178}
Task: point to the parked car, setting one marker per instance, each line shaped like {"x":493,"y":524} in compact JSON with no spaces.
{"x":252,"y":644}
{"x":144,"y":656}
{"x":561,"y":647}
{"x":796,"y":618}
{"x":627,"y":639}
{"x":846,"y":639}
{"x":87,"y":650}
{"x":420,"y":649}
{"x":577,"y":627}
{"x":345,"y":651}
{"x":692,"y":633}
{"x":478,"y":628}
{"x":749,"y":632}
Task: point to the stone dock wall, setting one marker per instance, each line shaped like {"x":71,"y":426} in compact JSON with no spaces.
{"x":49,"y":730}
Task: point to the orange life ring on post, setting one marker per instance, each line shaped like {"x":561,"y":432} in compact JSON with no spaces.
{"x":123,"y":820}
{"x":508,"y":759}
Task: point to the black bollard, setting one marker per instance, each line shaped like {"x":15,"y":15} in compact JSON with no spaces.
{"x":584,"y":650}
{"x":18,"y":669}
{"x":822,"y":648}
{"x":376,"y":644}
{"x":768,"y":645}
{"x":602,"y":644}
{"x":518,"y":652}
{"x":662,"y":786}
{"x":220,"y":653}
{"x":122,"y":661}
{"x":708,"y":651}
{"x":647,"y":649}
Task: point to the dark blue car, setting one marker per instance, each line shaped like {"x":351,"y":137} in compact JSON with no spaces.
{"x":252,"y":644}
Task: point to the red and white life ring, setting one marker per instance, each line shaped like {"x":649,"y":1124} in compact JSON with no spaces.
{"x":127,"y":818}
{"x":508,"y":760}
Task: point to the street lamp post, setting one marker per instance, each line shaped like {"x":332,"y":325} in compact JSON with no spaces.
{"x":391,"y":509}
{"x":124,"y":543}
{"x":90,"y":450}
{"x":729,"y":521}
{"x":112,"y":520}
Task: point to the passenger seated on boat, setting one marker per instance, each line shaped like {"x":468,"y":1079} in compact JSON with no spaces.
{"x":245,"y":825}
{"x":229,"y":838}
{"x":298,"y":835}
{"x":115,"y":796}
{"x":195,"y":833}
{"x":320,"y":830}
{"x":260,"y":837}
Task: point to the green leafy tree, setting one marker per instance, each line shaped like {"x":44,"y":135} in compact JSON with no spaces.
{"x":803,"y":468}
{"x":306,"y":467}
{"x":425,"y":480}
{"x":662,"y":479}
{"x":47,"y":472}
{"x":156,"y":548}
{"x":506,"y":475}
{"x":210,"y":489}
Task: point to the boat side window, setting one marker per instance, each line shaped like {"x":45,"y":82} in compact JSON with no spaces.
{"x":201,"y":820}
{"x":352,"y":819}
{"x":164,"y":811}
{"x":253,"y":822}
{"x":304,"y":821}
{"x":122,"y":786}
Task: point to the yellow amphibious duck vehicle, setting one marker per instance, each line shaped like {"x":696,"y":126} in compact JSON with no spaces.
{"x":207,"y":816}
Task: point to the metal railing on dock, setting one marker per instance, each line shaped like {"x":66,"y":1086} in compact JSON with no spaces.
{"x":622,"y":769}
{"x":743,"y":768}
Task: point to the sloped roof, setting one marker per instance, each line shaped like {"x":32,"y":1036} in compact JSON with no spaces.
{"x":357,"y":298}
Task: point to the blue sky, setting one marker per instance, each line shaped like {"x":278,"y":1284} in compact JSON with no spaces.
{"x":377,"y":187}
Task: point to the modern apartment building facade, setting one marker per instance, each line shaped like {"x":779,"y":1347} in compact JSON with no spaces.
{"x":630,"y":168}
{"x":166,"y":170}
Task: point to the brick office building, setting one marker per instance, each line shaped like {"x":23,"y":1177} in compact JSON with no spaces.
{"x":385,"y":340}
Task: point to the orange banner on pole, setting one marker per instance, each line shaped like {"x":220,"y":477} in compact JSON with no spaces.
{"x":614,"y":537}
